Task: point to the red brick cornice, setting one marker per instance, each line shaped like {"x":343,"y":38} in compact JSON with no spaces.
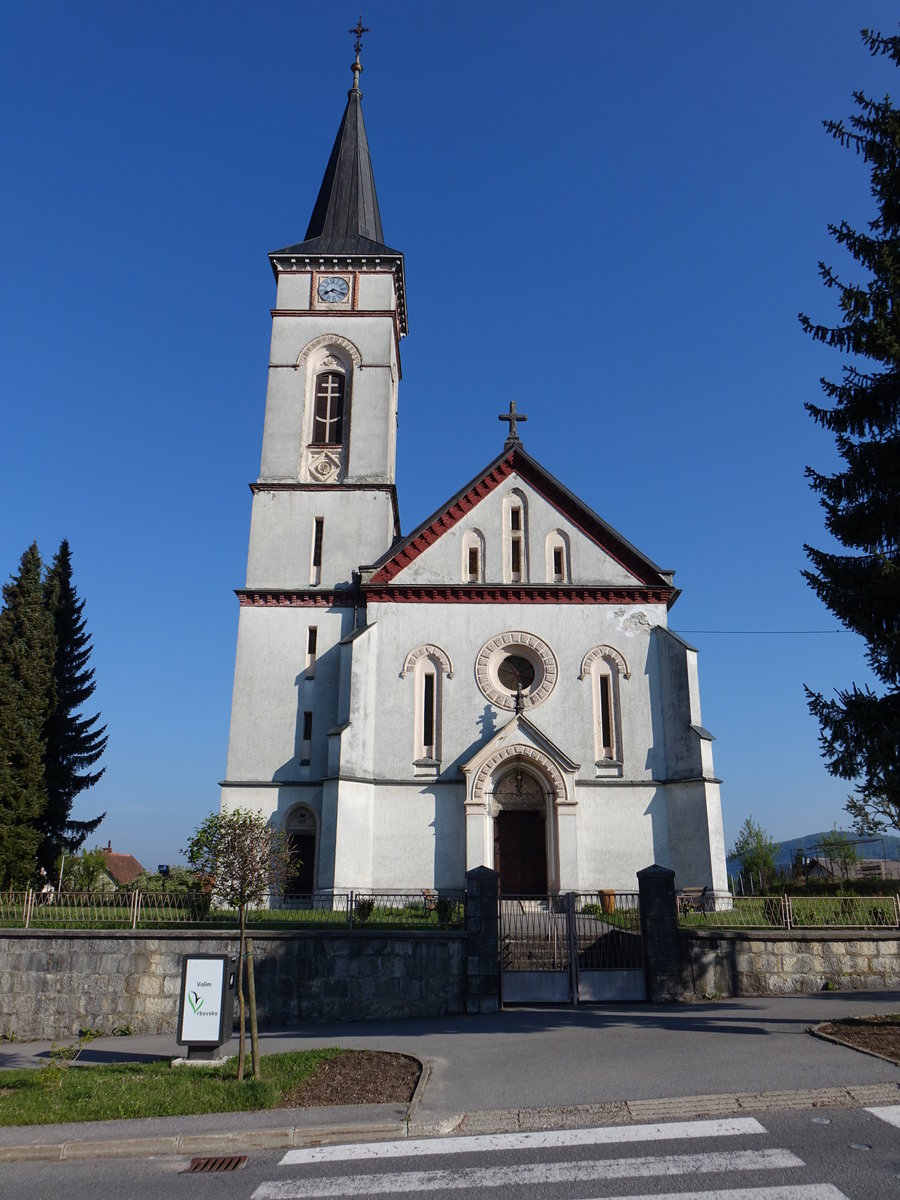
{"x":251,"y":598}
{"x":375,"y":593}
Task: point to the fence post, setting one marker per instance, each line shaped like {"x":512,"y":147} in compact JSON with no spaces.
{"x":788,"y":911}
{"x":659,"y":931}
{"x":572,"y":947}
{"x":135,"y":908}
{"x":350,"y":911}
{"x":482,"y":941}
{"x":29,"y":905}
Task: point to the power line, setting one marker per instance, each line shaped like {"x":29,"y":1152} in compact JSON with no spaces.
{"x":765,"y":632}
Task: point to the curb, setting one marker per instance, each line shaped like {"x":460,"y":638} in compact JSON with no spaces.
{"x":622,"y":1112}
{"x":818,"y":1032}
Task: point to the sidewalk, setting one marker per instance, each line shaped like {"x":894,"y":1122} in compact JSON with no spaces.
{"x":523,"y":1068}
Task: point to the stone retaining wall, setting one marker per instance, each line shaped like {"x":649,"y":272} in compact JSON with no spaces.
{"x":54,"y":983}
{"x":766,"y":963}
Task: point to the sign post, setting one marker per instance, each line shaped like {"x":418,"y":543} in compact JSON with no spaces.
{"x":206,"y":1006}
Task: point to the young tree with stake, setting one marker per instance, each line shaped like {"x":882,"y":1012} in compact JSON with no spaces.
{"x":241,"y":858}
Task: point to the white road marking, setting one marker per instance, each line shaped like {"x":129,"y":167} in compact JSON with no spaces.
{"x":887,"y":1112}
{"x":530,"y":1175}
{"x":800,"y":1191}
{"x":543,"y":1140}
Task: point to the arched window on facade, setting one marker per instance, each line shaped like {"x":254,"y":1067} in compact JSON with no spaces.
{"x":428,"y":665}
{"x":606,"y":668}
{"x":473,"y":556}
{"x":300,"y":829}
{"x":559,"y":568}
{"x":515,"y":537}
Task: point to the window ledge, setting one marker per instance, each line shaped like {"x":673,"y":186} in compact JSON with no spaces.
{"x":427,"y":768}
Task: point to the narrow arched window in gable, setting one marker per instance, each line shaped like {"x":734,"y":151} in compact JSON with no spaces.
{"x":559,"y":569}
{"x":515,"y":537}
{"x":606,"y":668}
{"x":473,"y":556}
{"x":328,"y":419}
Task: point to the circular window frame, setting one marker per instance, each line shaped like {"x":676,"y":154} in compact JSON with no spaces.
{"x":520,"y":644}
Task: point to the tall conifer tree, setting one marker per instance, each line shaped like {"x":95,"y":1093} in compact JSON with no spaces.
{"x":72,"y":742}
{"x":27,"y":647}
{"x":860,"y":727}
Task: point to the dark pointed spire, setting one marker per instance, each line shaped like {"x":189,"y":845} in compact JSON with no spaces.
{"x":345,"y":218}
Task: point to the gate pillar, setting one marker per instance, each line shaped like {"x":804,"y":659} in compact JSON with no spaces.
{"x":659,"y":929}
{"x":483,"y":942}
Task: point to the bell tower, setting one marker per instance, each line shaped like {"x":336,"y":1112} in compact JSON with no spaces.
{"x":325,"y":500}
{"x":324,"y":504}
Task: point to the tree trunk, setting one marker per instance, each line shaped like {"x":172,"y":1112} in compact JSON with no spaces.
{"x":240,"y":989}
{"x":251,"y":996}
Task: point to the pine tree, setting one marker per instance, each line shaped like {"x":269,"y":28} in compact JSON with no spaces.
{"x":27,"y":646}
{"x":860,"y":727}
{"x":71,"y":742}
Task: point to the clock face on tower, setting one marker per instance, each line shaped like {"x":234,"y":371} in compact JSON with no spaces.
{"x":333,"y":289}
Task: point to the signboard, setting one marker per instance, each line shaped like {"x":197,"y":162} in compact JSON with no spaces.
{"x":205,"y":1011}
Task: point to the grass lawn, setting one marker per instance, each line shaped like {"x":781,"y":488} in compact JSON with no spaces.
{"x":112,"y":1091}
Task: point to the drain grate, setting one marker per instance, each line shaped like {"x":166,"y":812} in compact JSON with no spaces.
{"x":223,"y":1162}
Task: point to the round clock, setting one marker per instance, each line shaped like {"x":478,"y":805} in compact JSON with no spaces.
{"x":332,"y":289}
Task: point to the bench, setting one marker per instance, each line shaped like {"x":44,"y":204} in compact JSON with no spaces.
{"x":692,"y":899}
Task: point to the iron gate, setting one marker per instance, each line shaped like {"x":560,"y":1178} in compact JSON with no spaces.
{"x":567,"y":948}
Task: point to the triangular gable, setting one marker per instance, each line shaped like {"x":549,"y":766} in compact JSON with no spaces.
{"x":515,"y":461}
{"x":516,"y":731}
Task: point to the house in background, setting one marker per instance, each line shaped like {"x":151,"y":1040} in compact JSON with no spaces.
{"x":121,"y":868}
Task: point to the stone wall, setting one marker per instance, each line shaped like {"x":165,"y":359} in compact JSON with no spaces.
{"x":54,"y":983}
{"x":766,"y":963}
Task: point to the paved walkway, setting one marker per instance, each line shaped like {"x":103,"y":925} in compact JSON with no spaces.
{"x":523,"y":1068}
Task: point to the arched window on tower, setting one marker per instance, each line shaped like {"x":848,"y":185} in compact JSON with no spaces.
{"x":328,"y":418}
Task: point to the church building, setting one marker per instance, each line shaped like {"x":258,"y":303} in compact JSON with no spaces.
{"x":497,"y":686}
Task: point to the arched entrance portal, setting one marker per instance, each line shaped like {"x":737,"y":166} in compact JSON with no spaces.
{"x":300,"y":828}
{"x":520,"y":833}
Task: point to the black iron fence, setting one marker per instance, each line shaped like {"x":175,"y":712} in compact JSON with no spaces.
{"x":353,"y":909}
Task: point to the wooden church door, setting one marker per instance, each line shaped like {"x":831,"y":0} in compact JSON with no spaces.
{"x":520,"y":852}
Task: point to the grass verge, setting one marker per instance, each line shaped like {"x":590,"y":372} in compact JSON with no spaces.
{"x":113,"y":1091}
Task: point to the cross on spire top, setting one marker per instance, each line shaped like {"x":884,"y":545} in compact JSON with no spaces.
{"x":512,"y":438}
{"x":356,"y":67}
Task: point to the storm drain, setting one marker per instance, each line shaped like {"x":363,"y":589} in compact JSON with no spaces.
{"x":224,"y":1162}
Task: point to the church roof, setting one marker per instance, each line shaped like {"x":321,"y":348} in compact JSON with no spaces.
{"x":515,"y":461}
{"x":345,"y":219}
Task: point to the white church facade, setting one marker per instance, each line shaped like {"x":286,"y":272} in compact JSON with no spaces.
{"x":498,"y":686}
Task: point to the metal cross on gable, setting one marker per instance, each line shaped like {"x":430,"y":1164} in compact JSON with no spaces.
{"x":512,"y":417}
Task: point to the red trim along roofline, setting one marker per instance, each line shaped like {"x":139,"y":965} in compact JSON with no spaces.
{"x":445,"y":520}
{"x":515,"y":462}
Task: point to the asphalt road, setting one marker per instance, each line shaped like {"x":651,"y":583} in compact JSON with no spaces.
{"x":837,"y":1154}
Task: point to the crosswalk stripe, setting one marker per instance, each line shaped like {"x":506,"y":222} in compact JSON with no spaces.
{"x":541,"y":1140}
{"x":887,"y":1112}
{"x":527,"y":1175}
{"x":799,"y":1191}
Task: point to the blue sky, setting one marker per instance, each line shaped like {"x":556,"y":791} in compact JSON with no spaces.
{"x":614,"y":211}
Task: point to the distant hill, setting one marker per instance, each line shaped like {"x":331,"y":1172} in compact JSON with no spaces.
{"x":883,"y":846}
